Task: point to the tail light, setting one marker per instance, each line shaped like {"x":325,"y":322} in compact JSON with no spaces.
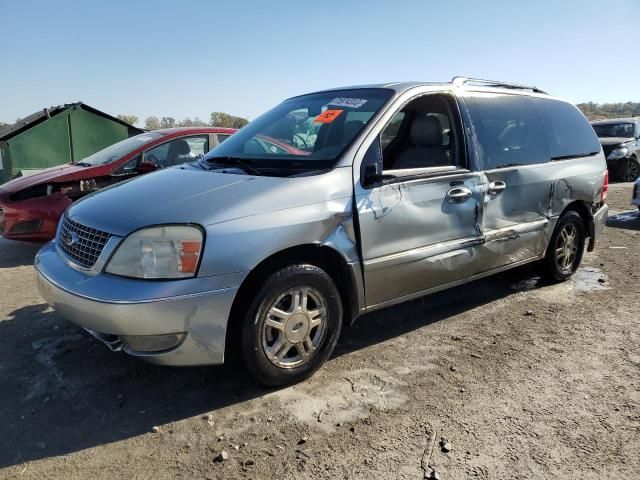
{"x":605,"y":186}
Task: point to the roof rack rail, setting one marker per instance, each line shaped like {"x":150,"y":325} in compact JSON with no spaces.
{"x":460,"y":81}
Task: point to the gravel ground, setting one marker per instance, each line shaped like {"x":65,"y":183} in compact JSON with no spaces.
{"x":521,"y":380}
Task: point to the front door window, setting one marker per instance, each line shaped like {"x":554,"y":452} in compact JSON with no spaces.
{"x":177,"y":151}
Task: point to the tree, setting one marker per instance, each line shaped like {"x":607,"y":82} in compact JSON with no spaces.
{"x":152,"y":123}
{"x":599,"y":111}
{"x":130,"y":119}
{"x":198,"y":122}
{"x":218,"y":119}
{"x":167,"y":122}
{"x":222,"y":119}
{"x":239,"y":122}
{"x":3,"y":125}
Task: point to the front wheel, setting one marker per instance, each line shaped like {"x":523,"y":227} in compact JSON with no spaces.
{"x":292,"y":325}
{"x":566,"y":247}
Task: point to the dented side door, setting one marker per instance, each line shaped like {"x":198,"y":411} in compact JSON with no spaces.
{"x":419,"y":233}
{"x":511,"y":148}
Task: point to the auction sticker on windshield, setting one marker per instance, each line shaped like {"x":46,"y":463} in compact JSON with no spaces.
{"x":348,"y":102}
{"x":328,"y":116}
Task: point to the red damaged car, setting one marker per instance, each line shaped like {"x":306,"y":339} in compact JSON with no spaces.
{"x":31,"y":206}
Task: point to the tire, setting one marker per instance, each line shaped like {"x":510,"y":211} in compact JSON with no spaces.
{"x":284,"y":340}
{"x":563,"y":259}
{"x":632,"y":171}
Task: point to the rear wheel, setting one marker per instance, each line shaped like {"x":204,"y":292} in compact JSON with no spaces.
{"x":292,"y":325}
{"x":566,"y":247}
{"x":632,"y":171}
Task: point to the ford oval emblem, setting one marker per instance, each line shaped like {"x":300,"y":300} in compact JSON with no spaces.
{"x":70,"y":239}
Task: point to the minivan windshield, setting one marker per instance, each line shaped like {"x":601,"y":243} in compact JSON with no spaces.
{"x":301,"y":134}
{"x":624,"y":130}
{"x":119,"y":150}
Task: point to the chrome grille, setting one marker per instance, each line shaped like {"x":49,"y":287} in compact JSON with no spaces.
{"x":80,"y":243}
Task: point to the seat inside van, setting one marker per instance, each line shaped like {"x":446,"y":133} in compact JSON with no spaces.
{"x":423,"y":138}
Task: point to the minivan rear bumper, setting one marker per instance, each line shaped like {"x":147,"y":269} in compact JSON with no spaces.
{"x":598,"y":222}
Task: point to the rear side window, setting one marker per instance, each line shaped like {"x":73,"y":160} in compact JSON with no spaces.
{"x":569,"y":133}
{"x":509,"y":130}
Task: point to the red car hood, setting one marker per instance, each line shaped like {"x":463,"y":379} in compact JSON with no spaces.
{"x":60,"y":173}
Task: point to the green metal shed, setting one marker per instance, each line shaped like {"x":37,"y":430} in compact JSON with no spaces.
{"x":58,"y":135}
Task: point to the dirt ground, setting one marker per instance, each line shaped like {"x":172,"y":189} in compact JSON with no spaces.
{"x":523,"y":380}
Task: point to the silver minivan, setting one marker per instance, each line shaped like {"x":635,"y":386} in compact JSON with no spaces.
{"x":330,"y":205}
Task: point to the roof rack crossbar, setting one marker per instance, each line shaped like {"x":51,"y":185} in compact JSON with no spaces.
{"x":460,"y":81}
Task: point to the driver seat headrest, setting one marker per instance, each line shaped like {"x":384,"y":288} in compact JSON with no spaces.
{"x":426,"y":132}
{"x":180,"y":147}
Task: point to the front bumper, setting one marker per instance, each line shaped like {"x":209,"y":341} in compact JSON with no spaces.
{"x":112,"y":308}
{"x":33,"y":220}
{"x":598,"y":223}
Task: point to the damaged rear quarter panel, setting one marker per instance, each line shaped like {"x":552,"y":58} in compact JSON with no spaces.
{"x":580,"y":179}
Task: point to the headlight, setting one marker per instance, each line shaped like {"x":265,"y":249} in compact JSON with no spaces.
{"x":158,"y":252}
{"x":619,"y":153}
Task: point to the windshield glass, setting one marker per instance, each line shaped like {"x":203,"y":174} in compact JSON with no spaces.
{"x":305,"y":133}
{"x":614,"y":130}
{"x":120,"y":149}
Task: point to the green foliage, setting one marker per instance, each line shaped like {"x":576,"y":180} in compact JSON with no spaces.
{"x":602,"y":111}
{"x":196,"y":122}
{"x":3,"y":125}
{"x":152,"y":123}
{"x":130,"y":119}
{"x":167,"y":122}
{"x":217,"y":119}
{"x":221,"y":119}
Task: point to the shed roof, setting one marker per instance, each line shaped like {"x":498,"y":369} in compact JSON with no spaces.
{"x":43,"y":115}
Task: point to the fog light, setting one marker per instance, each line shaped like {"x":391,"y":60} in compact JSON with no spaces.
{"x":26,"y":226}
{"x":152,"y":343}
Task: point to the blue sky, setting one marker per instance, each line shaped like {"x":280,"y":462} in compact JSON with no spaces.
{"x":189,"y":58}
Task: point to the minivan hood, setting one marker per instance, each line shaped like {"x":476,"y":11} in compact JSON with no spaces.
{"x":608,"y":141}
{"x":189,"y":195}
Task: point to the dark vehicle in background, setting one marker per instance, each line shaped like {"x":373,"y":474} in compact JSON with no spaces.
{"x":620,"y":139}
{"x":30,"y":207}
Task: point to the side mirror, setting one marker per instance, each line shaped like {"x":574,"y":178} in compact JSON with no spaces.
{"x":371,"y":168}
{"x":146,"y":167}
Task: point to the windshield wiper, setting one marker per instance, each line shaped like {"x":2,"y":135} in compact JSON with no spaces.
{"x":83,"y":164}
{"x":202,"y":163}
{"x":231,"y":161}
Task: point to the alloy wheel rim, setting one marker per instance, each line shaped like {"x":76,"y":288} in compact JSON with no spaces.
{"x":567,"y":247}
{"x":294,"y":327}
{"x":633,"y":171}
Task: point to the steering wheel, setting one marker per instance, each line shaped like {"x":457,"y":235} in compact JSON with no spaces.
{"x":304,"y":146}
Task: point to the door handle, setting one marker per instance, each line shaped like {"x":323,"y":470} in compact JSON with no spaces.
{"x":458,"y":195}
{"x":496,"y":187}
